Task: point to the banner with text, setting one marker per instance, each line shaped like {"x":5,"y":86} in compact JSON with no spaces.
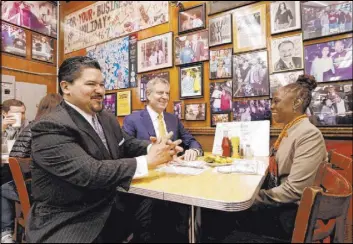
{"x":103,"y":21}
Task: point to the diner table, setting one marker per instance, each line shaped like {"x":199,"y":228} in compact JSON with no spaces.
{"x":210,"y":189}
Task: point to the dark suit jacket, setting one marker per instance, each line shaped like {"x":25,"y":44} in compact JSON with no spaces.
{"x":280,"y":65}
{"x":75,"y":177}
{"x":140,"y":125}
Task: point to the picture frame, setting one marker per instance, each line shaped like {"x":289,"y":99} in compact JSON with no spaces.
{"x":123,"y":103}
{"x":148,"y":59}
{"x":331,"y":105}
{"x":249,"y":28}
{"x":110,"y":103}
{"x":329,"y":61}
{"x":191,"y":81}
{"x":221,"y":64}
{"x":220,"y":30}
{"x":42,"y":48}
{"x":40,"y":16}
{"x":178,"y":108}
{"x":278,"y":80}
{"x":191,"y":48}
{"x":145,"y":78}
{"x":285,"y":16}
{"x":192,"y":19}
{"x":221,"y":97}
{"x":250,"y":74}
{"x":317,"y":16}
{"x":13,"y":40}
{"x":221,"y":6}
{"x":219,"y":118}
{"x":195,"y":111}
{"x":287,"y":53}
{"x":252,"y":110}
{"x":113,"y":57}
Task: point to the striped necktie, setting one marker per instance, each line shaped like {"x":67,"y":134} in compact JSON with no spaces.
{"x":98,"y":128}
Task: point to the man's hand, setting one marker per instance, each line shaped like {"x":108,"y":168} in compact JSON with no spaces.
{"x":8,"y":120}
{"x":162,"y":150}
{"x":190,"y":155}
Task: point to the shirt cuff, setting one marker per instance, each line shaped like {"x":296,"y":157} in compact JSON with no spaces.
{"x":199,"y":151}
{"x":141,"y":167}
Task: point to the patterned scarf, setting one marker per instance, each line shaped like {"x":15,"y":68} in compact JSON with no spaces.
{"x":272,"y":179}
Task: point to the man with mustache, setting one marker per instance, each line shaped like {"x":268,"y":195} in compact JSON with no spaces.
{"x":80,"y":157}
{"x":287,"y":61}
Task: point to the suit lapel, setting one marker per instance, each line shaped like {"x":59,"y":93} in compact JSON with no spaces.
{"x":147,"y":122}
{"x":169,"y":122}
{"x":83,"y":125}
{"x":109,"y":135}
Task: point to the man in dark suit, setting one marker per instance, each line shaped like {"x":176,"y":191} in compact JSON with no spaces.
{"x":287,"y":61}
{"x":154,"y":121}
{"x":80,"y":157}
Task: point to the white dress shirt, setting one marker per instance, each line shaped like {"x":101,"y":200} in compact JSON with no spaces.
{"x":141,"y":165}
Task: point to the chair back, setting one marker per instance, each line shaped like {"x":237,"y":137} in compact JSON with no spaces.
{"x":343,"y":165}
{"x":18,"y":167}
{"x":323,"y":208}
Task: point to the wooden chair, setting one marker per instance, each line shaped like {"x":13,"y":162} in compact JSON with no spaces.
{"x":323,"y":209}
{"x":20,"y":166}
{"x":343,"y":165}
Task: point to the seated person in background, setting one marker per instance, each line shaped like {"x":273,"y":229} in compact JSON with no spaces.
{"x":295,"y":158}
{"x":21,"y":149}
{"x":153,"y":121}
{"x":80,"y":156}
{"x":9,"y":107}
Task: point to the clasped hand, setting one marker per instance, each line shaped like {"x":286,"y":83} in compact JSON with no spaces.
{"x":163,"y":150}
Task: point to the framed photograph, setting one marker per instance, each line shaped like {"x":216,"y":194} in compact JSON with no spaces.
{"x":155,"y":53}
{"x":39,"y":16}
{"x":178,"y":107}
{"x":287,"y":53}
{"x":285,"y":16}
{"x":192,"y":19}
{"x":250,"y":74}
{"x":196,"y":111}
{"x":220,"y":30}
{"x":145,"y":78}
{"x":219,"y":118}
{"x":42,"y":48}
{"x":113,"y":57}
{"x":332,"y":105}
{"x":124,"y":103}
{"x":191,"y":48}
{"x":252,"y":110}
{"x":329,"y":61}
{"x":109,"y":103}
{"x":221,"y":64}
{"x":13,"y":39}
{"x":191,"y":81}
{"x":249,"y":25}
{"x":326,"y":18}
{"x":277,"y":80}
{"x":221,"y":6}
{"x":221,"y":96}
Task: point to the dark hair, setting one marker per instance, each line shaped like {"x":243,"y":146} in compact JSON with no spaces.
{"x":72,"y":67}
{"x":5,"y":107}
{"x":303,"y":87}
{"x":279,"y":8}
{"x":285,"y":42}
{"x":47,"y":104}
{"x":328,"y":55}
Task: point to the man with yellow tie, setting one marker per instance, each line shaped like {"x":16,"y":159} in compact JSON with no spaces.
{"x":154,"y":121}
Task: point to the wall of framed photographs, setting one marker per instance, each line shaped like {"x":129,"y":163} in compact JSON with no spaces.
{"x":29,"y":41}
{"x":240,"y":53}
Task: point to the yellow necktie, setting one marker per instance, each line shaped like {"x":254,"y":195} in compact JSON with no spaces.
{"x":161,"y":129}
